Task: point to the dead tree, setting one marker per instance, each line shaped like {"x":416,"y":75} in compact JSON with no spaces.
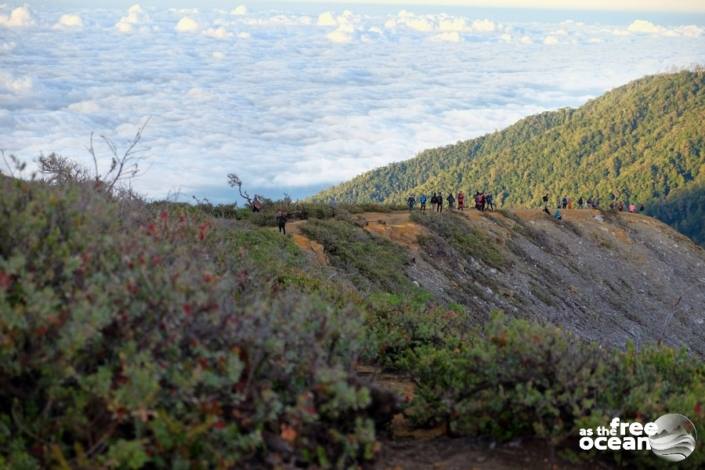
{"x":253,"y":202}
{"x":123,"y":165}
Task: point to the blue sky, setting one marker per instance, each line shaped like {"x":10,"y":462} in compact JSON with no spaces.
{"x":296,"y":97}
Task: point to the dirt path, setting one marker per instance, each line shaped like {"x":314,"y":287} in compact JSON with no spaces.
{"x":306,"y":244}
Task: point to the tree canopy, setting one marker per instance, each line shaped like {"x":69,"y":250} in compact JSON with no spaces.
{"x":643,"y":142}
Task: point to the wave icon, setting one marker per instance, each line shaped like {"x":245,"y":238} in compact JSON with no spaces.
{"x":675,"y":438}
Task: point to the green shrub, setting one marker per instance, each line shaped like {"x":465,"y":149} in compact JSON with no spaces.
{"x":131,"y":337}
{"x":517,"y":378}
{"x":397,"y":326}
{"x":454,"y":229}
{"x":372,"y":262}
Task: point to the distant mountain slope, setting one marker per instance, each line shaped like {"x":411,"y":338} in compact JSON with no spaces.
{"x":644,"y":141}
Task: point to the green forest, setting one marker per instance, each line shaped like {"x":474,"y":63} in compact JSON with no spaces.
{"x":643,"y":142}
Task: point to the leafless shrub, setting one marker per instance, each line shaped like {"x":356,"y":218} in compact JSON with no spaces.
{"x":123,"y":165}
{"x":13,"y":165}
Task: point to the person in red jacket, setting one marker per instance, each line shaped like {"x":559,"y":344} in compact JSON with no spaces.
{"x":461,"y":200}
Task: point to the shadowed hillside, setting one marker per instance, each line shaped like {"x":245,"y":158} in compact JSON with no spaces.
{"x":640,"y":142}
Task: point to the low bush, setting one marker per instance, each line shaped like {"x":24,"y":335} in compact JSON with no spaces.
{"x":130,"y":337}
{"x":454,"y":229}
{"x":372,"y":262}
{"x":517,"y":378}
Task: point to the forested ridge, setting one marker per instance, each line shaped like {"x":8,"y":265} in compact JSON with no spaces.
{"x":642,"y":142}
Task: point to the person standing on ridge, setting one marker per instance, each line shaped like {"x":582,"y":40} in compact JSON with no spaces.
{"x":581,"y":202}
{"x":411,"y":202}
{"x":451,"y":201}
{"x":422,"y":201}
{"x":545,"y":201}
{"x":434,"y":201}
{"x":489,"y":201}
{"x":281,"y":221}
{"x":461,"y":200}
{"x":439,"y":202}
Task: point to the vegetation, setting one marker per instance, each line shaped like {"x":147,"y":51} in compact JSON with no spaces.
{"x":136,"y":335}
{"x":455,"y":230}
{"x":642,"y":142}
{"x":516,"y":378}
{"x":133,"y":337}
{"x":371,"y":261}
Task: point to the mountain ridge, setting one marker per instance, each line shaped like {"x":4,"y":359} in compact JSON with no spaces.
{"x":642,"y":141}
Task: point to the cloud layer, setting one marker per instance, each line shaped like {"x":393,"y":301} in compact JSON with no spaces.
{"x":294,"y":102}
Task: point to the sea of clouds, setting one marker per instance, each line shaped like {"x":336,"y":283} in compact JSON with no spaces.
{"x":294,"y":102}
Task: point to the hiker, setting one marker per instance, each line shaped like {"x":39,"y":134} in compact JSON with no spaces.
{"x":281,"y":221}
{"x":641,"y":208}
{"x":581,"y":202}
{"x":589,"y":203}
{"x":479,"y":201}
{"x":256,"y":205}
{"x":422,"y":201}
{"x":451,"y":201}
{"x":461,"y":200}
{"x":570,"y":203}
{"x":434,"y":201}
{"x":545,"y":201}
{"x":411,"y":202}
{"x":632,"y":208}
{"x":489,"y":202}
{"x":557,"y":214}
{"x":439,"y":202}
{"x":564,"y":202}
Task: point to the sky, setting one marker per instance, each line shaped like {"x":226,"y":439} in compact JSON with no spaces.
{"x":295,"y":97}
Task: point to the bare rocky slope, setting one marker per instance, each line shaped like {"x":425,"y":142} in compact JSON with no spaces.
{"x":610,"y":277}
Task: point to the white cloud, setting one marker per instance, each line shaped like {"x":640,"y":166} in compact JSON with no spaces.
{"x":452,"y":24}
{"x":291,"y":108}
{"x":326,"y":19}
{"x":19,"y":17}
{"x":217,"y":33}
{"x":526,"y":40}
{"x":187,"y":25}
{"x":647,"y":27}
{"x":690,"y":31}
{"x":448,"y":36}
{"x":643,"y":26}
{"x":6,"y":47}
{"x":69,"y":22}
{"x":85,"y":107}
{"x":340,"y":36}
{"x":15,"y":85}
{"x":484,"y":26}
{"x":239,"y":11}
{"x":135,"y":16}
{"x":550,"y":40}
{"x":419,"y":24}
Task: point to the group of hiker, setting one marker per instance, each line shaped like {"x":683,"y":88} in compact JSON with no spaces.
{"x":566,"y":202}
{"x":483,"y":201}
